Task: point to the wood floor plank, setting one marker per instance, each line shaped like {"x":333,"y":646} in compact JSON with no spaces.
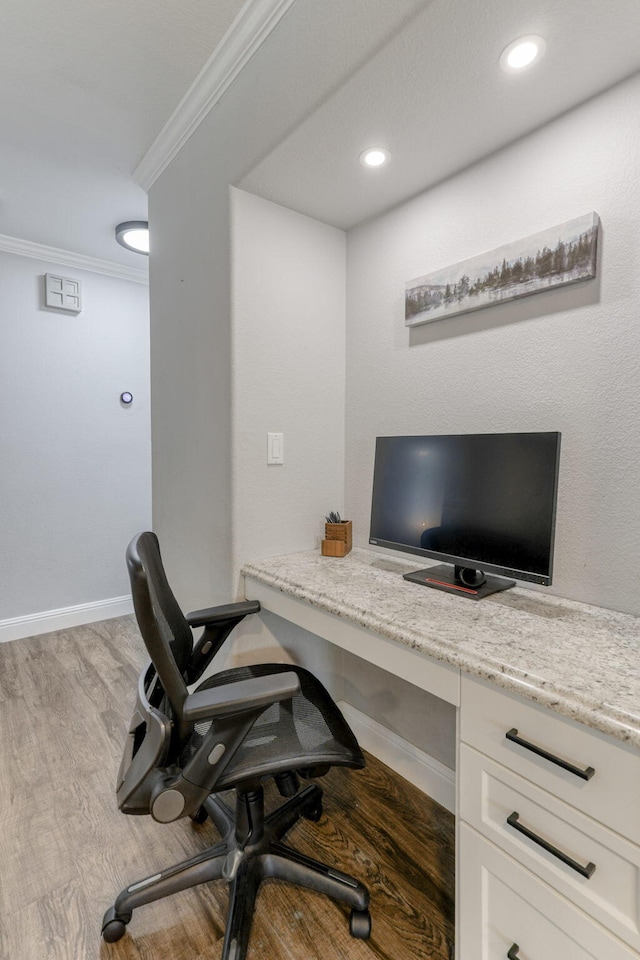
{"x":10,"y":683}
{"x":36,"y":857}
{"x":66,"y":851}
{"x":52,"y":926}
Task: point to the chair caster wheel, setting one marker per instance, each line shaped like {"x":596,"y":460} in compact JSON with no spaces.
{"x":113,"y":926}
{"x":200,"y":815}
{"x":314,"y":812}
{"x":113,"y":931}
{"x":360,"y":924}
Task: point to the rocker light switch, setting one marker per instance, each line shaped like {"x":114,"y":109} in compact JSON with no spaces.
{"x":275,"y":448}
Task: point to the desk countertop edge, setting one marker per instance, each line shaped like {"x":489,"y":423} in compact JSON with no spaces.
{"x":336,"y":588}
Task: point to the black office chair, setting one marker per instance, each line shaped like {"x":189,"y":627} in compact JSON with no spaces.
{"x":240,"y":727}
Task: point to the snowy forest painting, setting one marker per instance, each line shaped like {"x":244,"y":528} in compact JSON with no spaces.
{"x":559,"y":255}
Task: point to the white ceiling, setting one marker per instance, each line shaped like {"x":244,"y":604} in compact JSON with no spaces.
{"x":87,"y":85}
{"x":436,"y":98}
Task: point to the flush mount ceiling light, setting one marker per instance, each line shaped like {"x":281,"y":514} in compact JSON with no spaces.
{"x":134,"y":235}
{"x":374,"y":157}
{"x":522,"y":53}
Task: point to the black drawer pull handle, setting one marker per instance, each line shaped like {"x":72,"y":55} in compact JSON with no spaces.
{"x":513,"y":952}
{"x":585,"y":774}
{"x":514,"y":821}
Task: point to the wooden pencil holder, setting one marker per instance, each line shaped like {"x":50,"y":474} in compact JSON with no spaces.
{"x":338,"y":539}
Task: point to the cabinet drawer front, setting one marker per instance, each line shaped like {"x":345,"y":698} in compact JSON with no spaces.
{"x":604,"y":781}
{"x":595,"y":868}
{"x":506,"y":907}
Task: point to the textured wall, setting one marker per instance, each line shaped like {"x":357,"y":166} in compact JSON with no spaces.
{"x":296,"y":68}
{"x":76,"y":467}
{"x":562,"y":360}
{"x":288,"y":312}
{"x":288,"y":305}
{"x":191,"y":375}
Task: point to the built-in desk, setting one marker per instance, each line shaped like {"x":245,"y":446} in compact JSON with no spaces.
{"x":566,"y":677}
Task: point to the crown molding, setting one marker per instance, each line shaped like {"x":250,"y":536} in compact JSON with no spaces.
{"x":67,"y":258}
{"x":246,"y":34}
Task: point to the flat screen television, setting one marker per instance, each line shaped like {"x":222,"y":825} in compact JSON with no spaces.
{"x":481,"y":503}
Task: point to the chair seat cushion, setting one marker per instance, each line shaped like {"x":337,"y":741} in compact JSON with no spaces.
{"x":303,"y":732}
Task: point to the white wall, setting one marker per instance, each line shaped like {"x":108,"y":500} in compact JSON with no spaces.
{"x":288,"y":336}
{"x":562,"y":360}
{"x":294,"y":70}
{"x":75,"y":482}
{"x":191,"y":375}
{"x":288,"y":363}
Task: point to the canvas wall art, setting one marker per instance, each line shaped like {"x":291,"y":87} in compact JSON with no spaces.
{"x":557,"y":256}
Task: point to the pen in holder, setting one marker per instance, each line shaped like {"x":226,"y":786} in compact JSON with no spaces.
{"x":338,"y":538}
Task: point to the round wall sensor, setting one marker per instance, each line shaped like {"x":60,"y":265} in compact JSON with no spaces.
{"x":126,"y":397}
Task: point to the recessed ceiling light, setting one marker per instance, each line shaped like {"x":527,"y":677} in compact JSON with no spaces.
{"x":134,"y":235}
{"x":522,"y":53}
{"x":374,"y":157}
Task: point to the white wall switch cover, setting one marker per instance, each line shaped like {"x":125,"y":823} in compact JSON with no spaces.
{"x":62,"y":293}
{"x":275,"y":448}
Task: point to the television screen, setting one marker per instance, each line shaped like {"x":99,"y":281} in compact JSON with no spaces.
{"x":484,"y":501}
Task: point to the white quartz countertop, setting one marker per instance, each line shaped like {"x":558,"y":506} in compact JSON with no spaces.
{"x":581,"y":661}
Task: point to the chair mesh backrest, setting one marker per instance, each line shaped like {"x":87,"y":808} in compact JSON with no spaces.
{"x":165,"y":631}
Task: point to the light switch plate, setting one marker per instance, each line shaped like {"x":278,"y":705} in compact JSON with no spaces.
{"x":62,"y":293}
{"x":275,"y":448}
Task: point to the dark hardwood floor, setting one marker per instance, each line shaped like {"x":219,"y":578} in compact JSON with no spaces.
{"x":66,"y":851}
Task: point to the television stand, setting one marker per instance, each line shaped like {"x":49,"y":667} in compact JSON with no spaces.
{"x":464,"y":581}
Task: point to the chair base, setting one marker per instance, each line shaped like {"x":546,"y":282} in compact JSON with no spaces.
{"x":250,"y":852}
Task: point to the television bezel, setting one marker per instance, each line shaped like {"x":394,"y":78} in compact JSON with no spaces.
{"x":525,"y":575}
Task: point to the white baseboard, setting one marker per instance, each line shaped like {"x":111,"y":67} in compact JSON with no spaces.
{"x":423,"y":771}
{"x":37,"y":623}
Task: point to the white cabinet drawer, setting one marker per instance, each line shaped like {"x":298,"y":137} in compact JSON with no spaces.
{"x":491,"y":796}
{"x":506,"y":907}
{"x":610,"y":795}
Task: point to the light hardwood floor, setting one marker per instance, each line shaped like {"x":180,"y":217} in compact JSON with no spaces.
{"x":66,"y":851}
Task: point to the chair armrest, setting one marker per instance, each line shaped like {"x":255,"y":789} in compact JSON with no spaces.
{"x":240,"y":696}
{"x":218,"y":622}
{"x":226,"y":611}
